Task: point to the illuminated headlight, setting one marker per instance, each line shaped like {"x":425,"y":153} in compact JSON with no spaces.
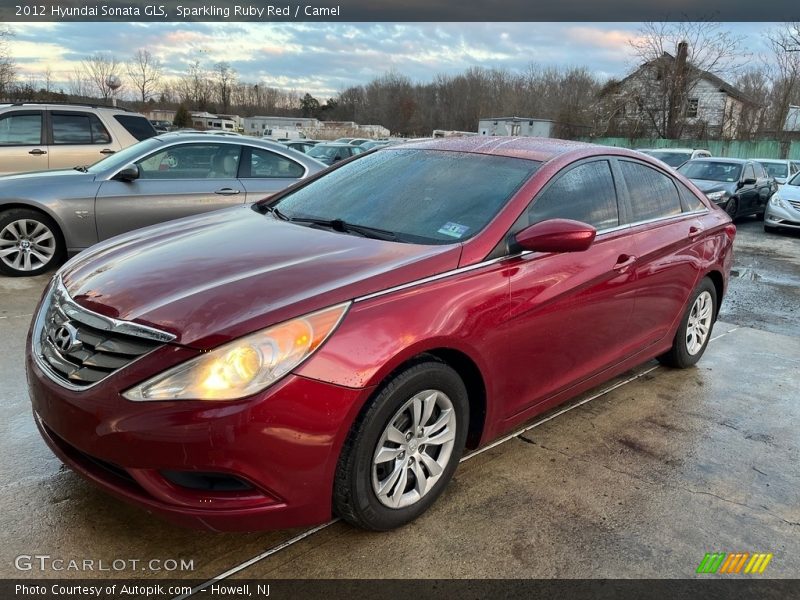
{"x":244,"y":366}
{"x":717,"y":196}
{"x":776,"y":200}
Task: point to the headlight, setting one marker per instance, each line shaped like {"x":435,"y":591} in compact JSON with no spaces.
{"x":716,"y":196}
{"x":776,"y":200}
{"x":244,"y":366}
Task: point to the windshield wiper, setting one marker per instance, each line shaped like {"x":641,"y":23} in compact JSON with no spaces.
{"x":83,"y":169}
{"x":345,"y":227}
{"x":277,"y":213}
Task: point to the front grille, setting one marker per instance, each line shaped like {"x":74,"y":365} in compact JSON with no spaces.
{"x":79,"y":347}
{"x":795,"y":204}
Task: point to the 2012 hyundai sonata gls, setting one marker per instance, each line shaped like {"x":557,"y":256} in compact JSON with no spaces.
{"x":332,"y":351}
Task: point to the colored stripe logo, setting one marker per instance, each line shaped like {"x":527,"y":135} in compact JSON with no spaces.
{"x":734,"y":563}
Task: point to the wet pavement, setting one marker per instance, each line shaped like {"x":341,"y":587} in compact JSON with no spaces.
{"x":641,"y":481}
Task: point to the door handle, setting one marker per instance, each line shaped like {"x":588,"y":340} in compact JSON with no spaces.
{"x":227,"y":192}
{"x":37,"y":152}
{"x":106,"y":151}
{"x":624,"y":261}
{"x":694,"y":231}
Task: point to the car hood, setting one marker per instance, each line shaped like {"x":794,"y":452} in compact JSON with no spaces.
{"x":49,"y":178}
{"x":707,"y":186}
{"x":221,"y":275}
{"x":789,"y":192}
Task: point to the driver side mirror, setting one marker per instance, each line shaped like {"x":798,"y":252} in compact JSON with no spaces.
{"x":748,"y":181}
{"x":556,"y":235}
{"x":128,"y":173}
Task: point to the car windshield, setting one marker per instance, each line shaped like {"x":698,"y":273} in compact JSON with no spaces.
{"x":323,"y":151}
{"x":776,"y":169}
{"x":794,"y":180}
{"x":673,"y":159}
{"x":125,"y":156}
{"x":711,"y":170}
{"x":422,"y":196}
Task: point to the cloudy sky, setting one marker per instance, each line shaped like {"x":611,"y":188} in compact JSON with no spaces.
{"x":324,"y":58}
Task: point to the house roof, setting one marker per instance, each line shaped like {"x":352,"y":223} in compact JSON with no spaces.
{"x":718,"y":82}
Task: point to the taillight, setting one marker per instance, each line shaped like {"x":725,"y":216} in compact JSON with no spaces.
{"x":730,"y":231}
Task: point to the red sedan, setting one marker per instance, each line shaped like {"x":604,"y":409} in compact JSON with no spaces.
{"x":332,"y":350}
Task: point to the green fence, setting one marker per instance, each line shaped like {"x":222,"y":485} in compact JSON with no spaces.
{"x":732,"y":148}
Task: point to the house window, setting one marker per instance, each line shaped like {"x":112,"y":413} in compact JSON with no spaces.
{"x":691,"y":108}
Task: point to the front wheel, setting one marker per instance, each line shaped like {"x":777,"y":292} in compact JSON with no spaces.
{"x":694,"y":331}
{"x":732,"y":207}
{"x":403,"y":450}
{"x":30,"y":243}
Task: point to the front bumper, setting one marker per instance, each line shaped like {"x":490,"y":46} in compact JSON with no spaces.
{"x":283,"y":444}
{"x":775,"y":216}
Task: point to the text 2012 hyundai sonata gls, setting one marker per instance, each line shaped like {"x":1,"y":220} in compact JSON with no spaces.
{"x":333,"y":350}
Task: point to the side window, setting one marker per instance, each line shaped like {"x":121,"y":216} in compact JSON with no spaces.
{"x":192,"y":161}
{"x":269,"y":165}
{"x":20,"y":129}
{"x":100,"y":134}
{"x":584,"y":193}
{"x":653,"y":195}
{"x":749,"y":173}
{"x":758,"y":169}
{"x":71,"y":128}
{"x":138,"y":127}
{"x":691,"y":202}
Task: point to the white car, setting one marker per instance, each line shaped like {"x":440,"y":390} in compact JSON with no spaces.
{"x":783,"y":209}
{"x":675,"y":157}
{"x":780,"y":169}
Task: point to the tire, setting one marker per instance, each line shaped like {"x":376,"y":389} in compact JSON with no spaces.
{"x":435,"y":388}
{"x":770,"y":229}
{"x":760,"y":216}
{"x":30,"y":243}
{"x":690,"y":343}
{"x":732,"y":207}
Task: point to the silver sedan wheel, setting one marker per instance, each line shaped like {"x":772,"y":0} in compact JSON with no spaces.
{"x":27,"y":245}
{"x":699,"y":325}
{"x":414,"y":449}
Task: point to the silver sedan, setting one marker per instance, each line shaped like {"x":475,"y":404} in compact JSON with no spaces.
{"x":48,"y":215}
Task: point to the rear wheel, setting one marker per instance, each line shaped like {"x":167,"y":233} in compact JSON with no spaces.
{"x":694,"y":331}
{"x":30,"y":243}
{"x":403,"y":450}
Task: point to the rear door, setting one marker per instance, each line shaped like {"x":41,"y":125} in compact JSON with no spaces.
{"x":263,"y":172}
{"x":178,"y":181}
{"x":570,"y":314}
{"x":669,"y":243}
{"x":78,"y":138}
{"x":23,"y":142}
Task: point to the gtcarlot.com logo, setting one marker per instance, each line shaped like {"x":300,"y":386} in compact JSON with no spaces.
{"x":47,"y":563}
{"x":734,"y":563}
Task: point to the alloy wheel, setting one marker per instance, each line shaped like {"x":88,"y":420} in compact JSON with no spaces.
{"x":699,"y":324}
{"x":27,"y":245}
{"x":414,"y":449}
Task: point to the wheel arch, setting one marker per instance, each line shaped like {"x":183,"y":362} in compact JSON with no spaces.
{"x":17,"y":204}
{"x":719,"y":285}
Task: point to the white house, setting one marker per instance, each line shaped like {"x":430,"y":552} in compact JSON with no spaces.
{"x":205,"y":120}
{"x":279,"y":127}
{"x":516,"y":126}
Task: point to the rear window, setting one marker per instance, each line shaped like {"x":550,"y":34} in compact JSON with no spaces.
{"x":138,"y":127}
{"x":653,"y":195}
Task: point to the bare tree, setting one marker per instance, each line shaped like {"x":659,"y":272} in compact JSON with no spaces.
{"x":144,"y":71}
{"x":785,"y":46}
{"x":99,"y":68}
{"x":78,"y":83}
{"x":672,"y":57}
{"x":7,"y":67}
{"x":225,"y":80}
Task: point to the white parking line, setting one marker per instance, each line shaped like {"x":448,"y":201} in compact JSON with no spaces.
{"x":309,"y":532}
{"x":17,"y":316}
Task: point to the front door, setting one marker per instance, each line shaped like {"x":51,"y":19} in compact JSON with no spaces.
{"x":570,"y":314}
{"x":179,"y":181}
{"x":23,"y":142}
{"x":264,"y":172}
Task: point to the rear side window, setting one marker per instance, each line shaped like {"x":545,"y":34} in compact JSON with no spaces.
{"x":78,"y":128}
{"x":138,"y":127}
{"x":653,"y":195}
{"x":585,"y":193}
{"x":268,"y":165}
{"x":749,"y":173}
{"x":691,"y":202}
{"x":21,"y":129}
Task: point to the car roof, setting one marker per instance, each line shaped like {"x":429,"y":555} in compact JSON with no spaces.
{"x":722,"y":159}
{"x":339,"y":144}
{"x":531,"y":148}
{"x":772,"y":160}
{"x":188,"y":136}
{"x":67,"y":105}
{"x":681,"y":150}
